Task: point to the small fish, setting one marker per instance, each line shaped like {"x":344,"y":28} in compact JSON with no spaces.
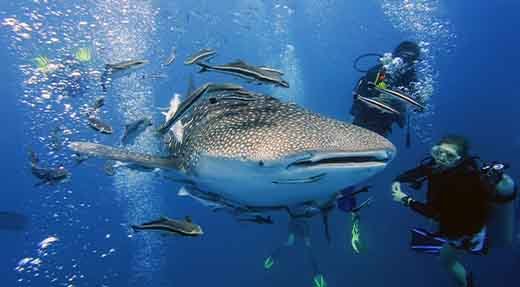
{"x":109,"y":168}
{"x":378,"y":105}
{"x":155,"y":76}
{"x":47,"y":175}
{"x":126,"y":65}
{"x":183,"y":227}
{"x":398,"y":95}
{"x":100,"y":102}
{"x":248,"y":72}
{"x":79,"y":158}
{"x":134,"y":129}
{"x":257,"y":219}
{"x":56,"y":140}
{"x":99,"y":126}
{"x":204,"y":54}
{"x":120,"y":69}
{"x":172,"y":57}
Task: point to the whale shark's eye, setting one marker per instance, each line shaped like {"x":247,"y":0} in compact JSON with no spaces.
{"x":212,"y":100}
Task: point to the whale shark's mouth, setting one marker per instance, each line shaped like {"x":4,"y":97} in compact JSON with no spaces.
{"x":381,"y":157}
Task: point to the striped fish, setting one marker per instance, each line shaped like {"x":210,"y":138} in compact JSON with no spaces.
{"x":378,"y":105}
{"x":251,"y":73}
{"x":204,"y":54}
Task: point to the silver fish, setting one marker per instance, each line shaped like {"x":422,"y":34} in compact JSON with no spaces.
{"x":120,"y":69}
{"x":99,"y":126}
{"x":134,"y":129}
{"x":204,"y":54}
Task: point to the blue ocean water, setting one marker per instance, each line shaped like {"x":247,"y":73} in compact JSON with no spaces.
{"x":468,"y":72}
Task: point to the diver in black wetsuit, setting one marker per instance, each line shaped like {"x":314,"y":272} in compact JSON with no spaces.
{"x":457,"y":199}
{"x":299,"y":229}
{"x":398,"y":77}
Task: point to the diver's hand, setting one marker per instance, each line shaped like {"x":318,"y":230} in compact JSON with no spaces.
{"x":397,"y":193}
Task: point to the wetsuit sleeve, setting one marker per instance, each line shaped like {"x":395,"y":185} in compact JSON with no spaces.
{"x":427,"y":210}
{"x":415,"y":176}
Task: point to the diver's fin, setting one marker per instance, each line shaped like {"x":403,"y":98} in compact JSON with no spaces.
{"x":424,"y":241}
{"x":108,"y":152}
{"x":188,"y":219}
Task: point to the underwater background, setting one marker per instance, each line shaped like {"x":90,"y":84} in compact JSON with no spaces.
{"x":469,"y":72}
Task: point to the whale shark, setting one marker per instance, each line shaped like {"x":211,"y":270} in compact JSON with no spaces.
{"x":251,"y":151}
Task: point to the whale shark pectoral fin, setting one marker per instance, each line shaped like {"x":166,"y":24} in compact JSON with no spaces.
{"x":123,"y":155}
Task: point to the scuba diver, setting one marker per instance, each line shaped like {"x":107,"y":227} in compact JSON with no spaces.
{"x":347,"y":202}
{"x":381,"y":95}
{"x":72,"y":72}
{"x":299,"y":229}
{"x":466,"y":201}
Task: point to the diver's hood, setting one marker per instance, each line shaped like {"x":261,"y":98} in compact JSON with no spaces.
{"x":408,"y":51}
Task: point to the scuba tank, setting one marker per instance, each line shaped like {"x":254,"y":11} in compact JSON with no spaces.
{"x":501,"y":219}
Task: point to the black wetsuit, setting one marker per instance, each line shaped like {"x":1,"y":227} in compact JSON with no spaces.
{"x":372,"y":118}
{"x":457,"y":198}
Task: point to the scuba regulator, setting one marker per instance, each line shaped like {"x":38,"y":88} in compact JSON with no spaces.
{"x":494,"y":171}
{"x":494,"y":175}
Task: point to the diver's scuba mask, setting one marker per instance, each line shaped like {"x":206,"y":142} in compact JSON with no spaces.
{"x":444,"y":155}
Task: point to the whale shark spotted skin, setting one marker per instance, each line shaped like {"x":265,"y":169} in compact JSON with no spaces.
{"x":254,"y":150}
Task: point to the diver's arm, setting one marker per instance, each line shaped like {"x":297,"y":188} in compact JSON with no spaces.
{"x":426,"y":210}
{"x":415,"y":176}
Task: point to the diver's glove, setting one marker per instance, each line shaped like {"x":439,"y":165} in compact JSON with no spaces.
{"x":319,"y":281}
{"x":355,"y":240}
{"x":399,"y":195}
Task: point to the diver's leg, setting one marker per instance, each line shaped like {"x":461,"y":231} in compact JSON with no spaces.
{"x":318,"y":279}
{"x":269,"y":261}
{"x":448,"y":257}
